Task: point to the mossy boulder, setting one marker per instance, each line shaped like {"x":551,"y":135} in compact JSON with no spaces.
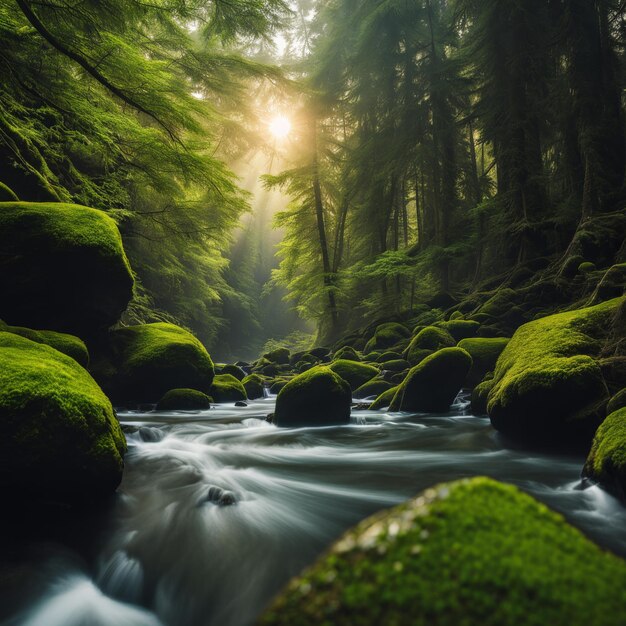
{"x":233,"y":370}
{"x":433,"y":384}
{"x":484,"y":353}
{"x":399,"y":365}
{"x":184,"y":400}
{"x":586,"y":267}
{"x":372,"y":388}
{"x":355,"y":374}
{"x":387,"y":356}
{"x":59,"y":434}
{"x":226,"y":388}
{"x":253,"y":384}
{"x":67,"y":344}
{"x":618,"y":401}
{"x":480,"y":394}
{"x":318,"y":397}
{"x":456,"y":315}
{"x":427,"y":341}
{"x":386,"y":336}
{"x":460,"y":329}
{"x":63,"y":268}
{"x":142,"y":363}
{"x":548,"y":385}
{"x":384,"y":400}
{"x":280,"y":356}
{"x":606,"y":462}
{"x":472,"y":552}
{"x":277,"y":385}
{"x":347,"y":353}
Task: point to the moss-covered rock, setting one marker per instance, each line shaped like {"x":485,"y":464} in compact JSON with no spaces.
{"x":226,"y":388}
{"x":386,"y":336}
{"x":184,"y":400}
{"x":586,"y":267}
{"x":480,"y":395}
{"x":387,"y":356}
{"x":384,"y":399}
{"x":233,"y":370}
{"x":63,"y":267}
{"x":460,"y":329}
{"x":606,"y":462}
{"x":427,"y":341}
{"x":277,"y":385}
{"x":142,"y":363}
{"x":618,"y":401}
{"x":347,"y":353}
{"x":484,"y":353}
{"x":58,"y":433}
{"x":355,"y":374}
{"x":372,"y":388}
{"x":434,"y":383}
{"x":318,"y":397}
{"x":473,"y":552}
{"x":280,"y":356}
{"x":456,"y":315}
{"x":548,"y":385}
{"x":253,"y":384}
{"x":67,"y":344}
{"x":399,"y":365}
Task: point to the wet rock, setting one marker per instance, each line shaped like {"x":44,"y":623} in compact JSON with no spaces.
{"x":240,"y":404}
{"x":220,"y":497}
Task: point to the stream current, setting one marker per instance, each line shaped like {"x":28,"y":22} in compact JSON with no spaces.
{"x":217,"y":510}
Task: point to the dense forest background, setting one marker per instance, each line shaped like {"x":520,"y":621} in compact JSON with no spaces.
{"x":439,"y":148}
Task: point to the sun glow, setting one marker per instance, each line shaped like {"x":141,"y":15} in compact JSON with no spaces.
{"x":280,"y":127}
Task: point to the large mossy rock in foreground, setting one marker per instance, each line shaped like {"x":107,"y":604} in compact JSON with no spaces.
{"x":434,"y":383}
{"x":318,"y":397}
{"x":474,"y":552}
{"x":59,"y":436}
{"x":548,"y":387}
{"x":67,"y":344}
{"x":142,"y":363}
{"x":62,"y":268}
{"x":606,"y":462}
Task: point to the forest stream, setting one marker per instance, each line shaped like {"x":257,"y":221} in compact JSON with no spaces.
{"x":218,"y":509}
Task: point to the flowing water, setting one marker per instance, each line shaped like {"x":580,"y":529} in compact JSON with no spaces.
{"x":217,"y":510}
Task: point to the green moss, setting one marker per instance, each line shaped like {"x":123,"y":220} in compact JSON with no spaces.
{"x":484,"y":353}
{"x":67,"y":344}
{"x":253,"y":385}
{"x":480,"y":395}
{"x":58,"y":432}
{"x":606,"y":462}
{"x":618,"y":401}
{"x":227,"y":388}
{"x":384,"y":399}
{"x":427,"y":341}
{"x":399,"y":365}
{"x":280,"y":356}
{"x":347,"y":353}
{"x":473,"y":552}
{"x":372,"y":388}
{"x":434,"y":383}
{"x":233,"y":370}
{"x":355,"y":374}
{"x":460,"y":329}
{"x":456,"y":315}
{"x":547,"y":385}
{"x":142,"y":363}
{"x":500,"y":303}
{"x":386,"y":356}
{"x":277,"y":385}
{"x":64,"y":267}
{"x":318,"y":397}
{"x":586,"y":267}
{"x":386,"y":336}
{"x":7,"y":194}
{"x":184,"y":400}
